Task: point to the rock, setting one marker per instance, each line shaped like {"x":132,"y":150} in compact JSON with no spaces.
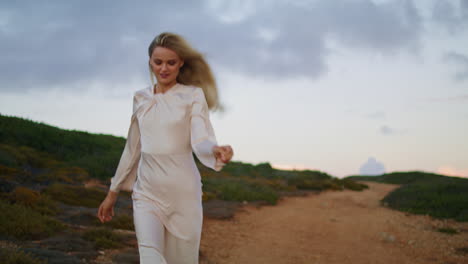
{"x":67,"y":243}
{"x":70,"y":244}
{"x":387,"y":237}
{"x":53,"y":256}
{"x":219,"y":209}
{"x":127,"y":257}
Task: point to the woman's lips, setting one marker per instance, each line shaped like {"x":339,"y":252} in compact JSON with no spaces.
{"x":164,"y":75}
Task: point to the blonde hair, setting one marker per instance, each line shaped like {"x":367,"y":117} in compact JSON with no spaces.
{"x":195,"y":70}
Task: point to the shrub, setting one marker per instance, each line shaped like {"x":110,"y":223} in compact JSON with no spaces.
{"x":76,"y":195}
{"x":34,"y":200}
{"x":462,"y":250}
{"x":448,"y":230}
{"x":9,"y":173}
{"x":13,"y":256}
{"x":235,"y":189}
{"x":305,"y":183}
{"x":120,"y":222}
{"x":23,"y":223}
{"x":103,"y":238}
{"x":353,"y":185}
{"x":444,"y":198}
{"x":64,"y":175}
{"x":208,"y":196}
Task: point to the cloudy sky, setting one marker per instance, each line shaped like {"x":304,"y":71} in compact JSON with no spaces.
{"x":343,"y":86}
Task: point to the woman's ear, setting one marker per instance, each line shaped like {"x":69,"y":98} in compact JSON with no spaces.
{"x":182,"y":64}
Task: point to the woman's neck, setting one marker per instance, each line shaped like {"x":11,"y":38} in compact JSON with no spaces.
{"x":163,"y":88}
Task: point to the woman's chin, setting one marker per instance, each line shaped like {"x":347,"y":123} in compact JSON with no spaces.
{"x":165,"y":81}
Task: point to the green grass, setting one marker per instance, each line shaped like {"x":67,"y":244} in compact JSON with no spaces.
{"x":448,"y":230}
{"x":426,"y":193}
{"x":13,"y":256}
{"x":119,"y":222}
{"x":237,"y":189}
{"x":401,"y":177}
{"x":97,"y":153}
{"x":103,"y":238}
{"x":353,"y":185}
{"x":24,"y":223}
{"x":443,"y":199}
{"x":462,"y":251}
{"x":41,"y":203}
{"x":75,"y":195}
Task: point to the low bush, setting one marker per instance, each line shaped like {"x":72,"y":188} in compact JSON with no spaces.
{"x":353,"y":185}
{"x":306,"y":183}
{"x":76,"y":195}
{"x":20,"y":222}
{"x":119,"y":222}
{"x":103,"y":238}
{"x":41,"y":203}
{"x":237,"y":189}
{"x":64,"y":175}
{"x":446,"y":198}
{"x":448,"y":230}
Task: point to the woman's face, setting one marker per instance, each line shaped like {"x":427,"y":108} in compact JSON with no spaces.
{"x":165,"y":64}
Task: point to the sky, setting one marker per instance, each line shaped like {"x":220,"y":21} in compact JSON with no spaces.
{"x":345,"y":87}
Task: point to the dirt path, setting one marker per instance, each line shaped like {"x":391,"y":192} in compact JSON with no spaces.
{"x":332,"y":228}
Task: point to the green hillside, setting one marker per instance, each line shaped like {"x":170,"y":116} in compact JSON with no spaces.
{"x":425,"y":193}
{"x":27,"y":143}
{"x":37,"y":154}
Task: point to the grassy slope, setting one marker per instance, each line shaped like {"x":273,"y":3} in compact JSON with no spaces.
{"x":97,"y":153}
{"x":425,"y":193}
{"x":32,"y":152}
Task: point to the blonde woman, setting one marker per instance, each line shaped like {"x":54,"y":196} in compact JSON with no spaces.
{"x":170,"y":120}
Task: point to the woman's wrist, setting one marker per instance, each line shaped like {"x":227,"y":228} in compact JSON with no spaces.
{"x":112,"y":195}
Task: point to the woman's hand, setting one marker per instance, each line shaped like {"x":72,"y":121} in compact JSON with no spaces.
{"x":106,"y":209}
{"x":223,"y":153}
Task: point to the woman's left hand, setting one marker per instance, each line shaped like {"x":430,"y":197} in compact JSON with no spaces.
{"x":223,"y":153}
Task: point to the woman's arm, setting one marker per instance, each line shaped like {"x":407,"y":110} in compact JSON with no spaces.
{"x":125,"y":174}
{"x":126,"y":170}
{"x":203,"y":139}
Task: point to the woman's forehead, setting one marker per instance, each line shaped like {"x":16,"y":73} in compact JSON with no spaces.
{"x":164,"y":53}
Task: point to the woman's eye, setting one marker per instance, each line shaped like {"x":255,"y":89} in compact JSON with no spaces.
{"x":171,"y":62}
{"x":157,"y":62}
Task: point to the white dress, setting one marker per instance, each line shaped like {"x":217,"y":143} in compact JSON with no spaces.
{"x":157,"y":163}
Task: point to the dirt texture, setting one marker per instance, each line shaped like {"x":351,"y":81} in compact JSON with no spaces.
{"x":333,"y":227}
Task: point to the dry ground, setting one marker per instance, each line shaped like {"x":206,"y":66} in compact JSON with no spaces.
{"x":332,"y":228}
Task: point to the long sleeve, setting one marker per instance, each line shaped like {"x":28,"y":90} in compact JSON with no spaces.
{"x":126,"y":172}
{"x":202,"y":134}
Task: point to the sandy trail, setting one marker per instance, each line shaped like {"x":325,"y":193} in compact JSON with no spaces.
{"x":332,"y":227}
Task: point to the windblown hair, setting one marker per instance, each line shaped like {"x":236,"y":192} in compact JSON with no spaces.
{"x":195,"y":70}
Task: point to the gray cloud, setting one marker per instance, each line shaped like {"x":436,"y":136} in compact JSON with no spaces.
{"x":451,"y":15}
{"x":75,"y":43}
{"x":372,"y":167}
{"x":459,"y":60}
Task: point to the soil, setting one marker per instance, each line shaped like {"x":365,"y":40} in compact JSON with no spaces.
{"x":333,"y":227}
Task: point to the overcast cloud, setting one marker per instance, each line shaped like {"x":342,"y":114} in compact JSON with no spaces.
{"x":75,"y":43}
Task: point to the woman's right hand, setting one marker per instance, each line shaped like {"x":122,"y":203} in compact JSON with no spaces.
{"x":106,"y":209}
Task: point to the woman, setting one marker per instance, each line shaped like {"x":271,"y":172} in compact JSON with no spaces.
{"x":170,"y":120}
